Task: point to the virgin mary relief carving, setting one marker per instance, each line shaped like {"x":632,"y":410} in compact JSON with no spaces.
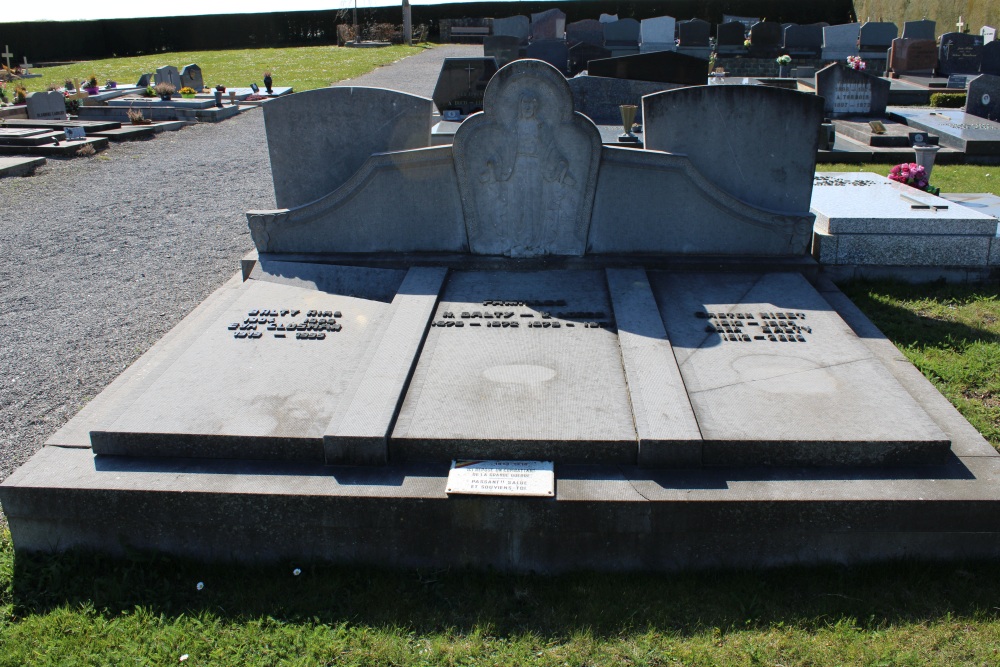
{"x":527,"y":166}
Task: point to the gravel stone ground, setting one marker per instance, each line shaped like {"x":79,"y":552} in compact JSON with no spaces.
{"x":101,"y":256}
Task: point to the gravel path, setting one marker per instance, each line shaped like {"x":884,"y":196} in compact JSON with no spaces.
{"x":100,"y":256}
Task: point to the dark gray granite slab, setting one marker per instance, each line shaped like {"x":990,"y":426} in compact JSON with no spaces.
{"x":266,"y":397}
{"x":527,"y":392}
{"x":954,"y":127}
{"x":818,"y":397}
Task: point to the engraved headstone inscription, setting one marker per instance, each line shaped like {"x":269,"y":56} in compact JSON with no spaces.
{"x":848,"y":92}
{"x":169,"y":74}
{"x":461,"y":84}
{"x":960,"y":53}
{"x":983,"y":99}
{"x":46,"y":106}
{"x":192,"y":78}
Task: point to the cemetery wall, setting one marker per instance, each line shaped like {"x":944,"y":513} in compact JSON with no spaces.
{"x":56,"y":40}
{"x":975,"y":13}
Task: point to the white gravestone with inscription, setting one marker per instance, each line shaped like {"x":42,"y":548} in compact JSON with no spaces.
{"x":502,"y":478}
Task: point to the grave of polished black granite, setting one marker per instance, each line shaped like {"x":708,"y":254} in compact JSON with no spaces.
{"x":502,"y":48}
{"x":959,"y":53}
{"x":662,"y":66}
{"x":461,"y":84}
{"x":984,"y":97}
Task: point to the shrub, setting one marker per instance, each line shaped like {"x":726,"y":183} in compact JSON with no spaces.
{"x":948,"y":100}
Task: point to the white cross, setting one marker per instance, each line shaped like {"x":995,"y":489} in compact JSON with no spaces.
{"x":7,"y":55}
{"x":26,"y":65}
{"x":960,"y":25}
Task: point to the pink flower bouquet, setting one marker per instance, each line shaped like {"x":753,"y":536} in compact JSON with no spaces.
{"x":911,"y":174}
{"x":855,"y":62}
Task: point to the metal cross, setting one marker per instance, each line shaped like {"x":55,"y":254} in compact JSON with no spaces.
{"x":7,"y":55}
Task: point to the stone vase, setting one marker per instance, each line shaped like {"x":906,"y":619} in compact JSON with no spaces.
{"x":925,"y":157}
{"x":784,"y":71}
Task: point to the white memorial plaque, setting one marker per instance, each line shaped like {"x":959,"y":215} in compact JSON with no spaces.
{"x":74,"y":133}
{"x":502,"y":478}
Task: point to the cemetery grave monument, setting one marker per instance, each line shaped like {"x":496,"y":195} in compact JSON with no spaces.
{"x":522,"y":295}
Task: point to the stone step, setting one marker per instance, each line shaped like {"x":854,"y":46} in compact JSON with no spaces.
{"x":19,"y":166}
{"x":63,"y":149}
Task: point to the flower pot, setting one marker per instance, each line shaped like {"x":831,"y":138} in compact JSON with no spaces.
{"x":784,"y":71}
{"x":166,"y":98}
{"x":91,"y":90}
{"x":187,"y":96}
{"x":267,"y":84}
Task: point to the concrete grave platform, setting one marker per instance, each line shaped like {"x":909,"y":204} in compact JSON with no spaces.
{"x":864,"y":219}
{"x":157,"y":112}
{"x":977,"y":137}
{"x":984,"y":203}
{"x":176,"y":102}
{"x":62,"y":149}
{"x":89,"y":126}
{"x":127,"y":133}
{"x":20,"y":166}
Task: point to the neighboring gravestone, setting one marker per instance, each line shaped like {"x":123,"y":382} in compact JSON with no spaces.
{"x":875,"y":38}
{"x":991,"y":59}
{"x":461,"y":84}
{"x":657,"y":34}
{"x":984,"y":97}
{"x":504,"y":49}
{"x":580,"y":56}
{"x":693,"y":33}
{"x":144,"y":81}
{"x":550,"y":24}
{"x":587,"y":31}
{"x":988,"y":33}
{"x":46,"y":106}
{"x":608,"y":18}
{"x":848,"y":92}
{"x":840,"y":41}
{"x":169,"y":74}
{"x":765,"y":39}
{"x":319,"y":138}
{"x":729,"y":38}
{"x":527,"y":167}
{"x":600,"y":98}
{"x":553,"y":51}
{"x":960,"y":53}
{"x":913,"y":56}
{"x":923,"y":29}
{"x":726,"y":129}
{"x":622,"y":37}
{"x":662,"y":66}
{"x":513,"y":26}
{"x":804,"y":40}
{"x":191,"y":77}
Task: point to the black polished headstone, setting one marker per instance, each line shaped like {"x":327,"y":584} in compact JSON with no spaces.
{"x":923,"y":29}
{"x":580,"y":56}
{"x":694,"y":32}
{"x":804,"y":40}
{"x":502,"y":48}
{"x":550,"y":24}
{"x":553,"y":51}
{"x":144,"y":81}
{"x":512,"y":26}
{"x":663,"y":66}
{"x":848,"y":92}
{"x":588,"y":31}
{"x":990,"y":63}
{"x":984,"y":97}
{"x":461,"y":84}
{"x":622,"y":37}
{"x":765,"y":39}
{"x":959,"y":53}
{"x":877,"y":36}
{"x":730,"y":35}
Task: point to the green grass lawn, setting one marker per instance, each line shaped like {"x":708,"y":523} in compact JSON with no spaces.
{"x":302,"y":68}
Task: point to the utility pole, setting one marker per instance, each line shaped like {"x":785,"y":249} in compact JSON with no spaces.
{"x":407,"y":24}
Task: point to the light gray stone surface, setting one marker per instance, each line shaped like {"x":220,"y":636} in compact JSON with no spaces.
{"x":664,"y":421}
{"x":840,"y":41}
{"x":756,"y":142}
{"x":318,"y":139}
{"x":409,"y":202}
{"x":270,"y":397}
{"x":527,"y":166}
{"x":848,"y":92}
{"x":979,"y":202}
{"x":519,"y":392}
{"x":46,"y":106}
{"x":930,"y":250}
{"x":658,"y":33}
{"x":955,"y":128}
{"x":19,"y":166}
{"x":824,"y":400}
{"x":359,"y":431}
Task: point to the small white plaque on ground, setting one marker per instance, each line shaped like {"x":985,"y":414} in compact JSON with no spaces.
{"x":502,"y":478}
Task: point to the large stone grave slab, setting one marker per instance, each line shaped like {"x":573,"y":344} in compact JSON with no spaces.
{"x":657,"y":34}
{"x":959,"y":53}
{"x":461,"y":84}
{"x":662,"y":66}
{"x":913,"y":56}
{"x":321,"y":137}
{"x":622,"y":37}
{"x":191,"y":77}
{"x":536,"y":376}
{"x":46,"y":106}
{"x":984,"y":97}
{"x":849,"y":92}
{"x":970,"y":134}
{"x":774,"y":375}
{"x":865,"y":219}
{"x":19,"y":166}
{"x":840,"y":41}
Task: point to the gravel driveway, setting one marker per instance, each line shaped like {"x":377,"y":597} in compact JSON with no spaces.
{"x":100,"y":256}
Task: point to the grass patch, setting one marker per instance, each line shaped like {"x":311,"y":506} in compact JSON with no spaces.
{"x":302,"y":68}
{"x":85,"y":610}
{"x":948,"y":177}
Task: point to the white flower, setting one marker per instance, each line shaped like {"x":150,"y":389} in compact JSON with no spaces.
{"x":201,"y":585}
{"x":184,"y":657}
{"x":296,"y":572}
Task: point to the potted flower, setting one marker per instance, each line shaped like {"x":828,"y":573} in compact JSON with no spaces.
{"x":188,"y":92}
{"x":220,"y":88}
{"x":68,"y":85}
{"x":165,"y":91}
{"x":267,"y":82}
{"x":914,"y":175}
{"x":20,"y":94}
{"x":111,"y":85}
{"x":784,"y":66}
{"x":90,"y":87}
{"x":856,"y":63}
